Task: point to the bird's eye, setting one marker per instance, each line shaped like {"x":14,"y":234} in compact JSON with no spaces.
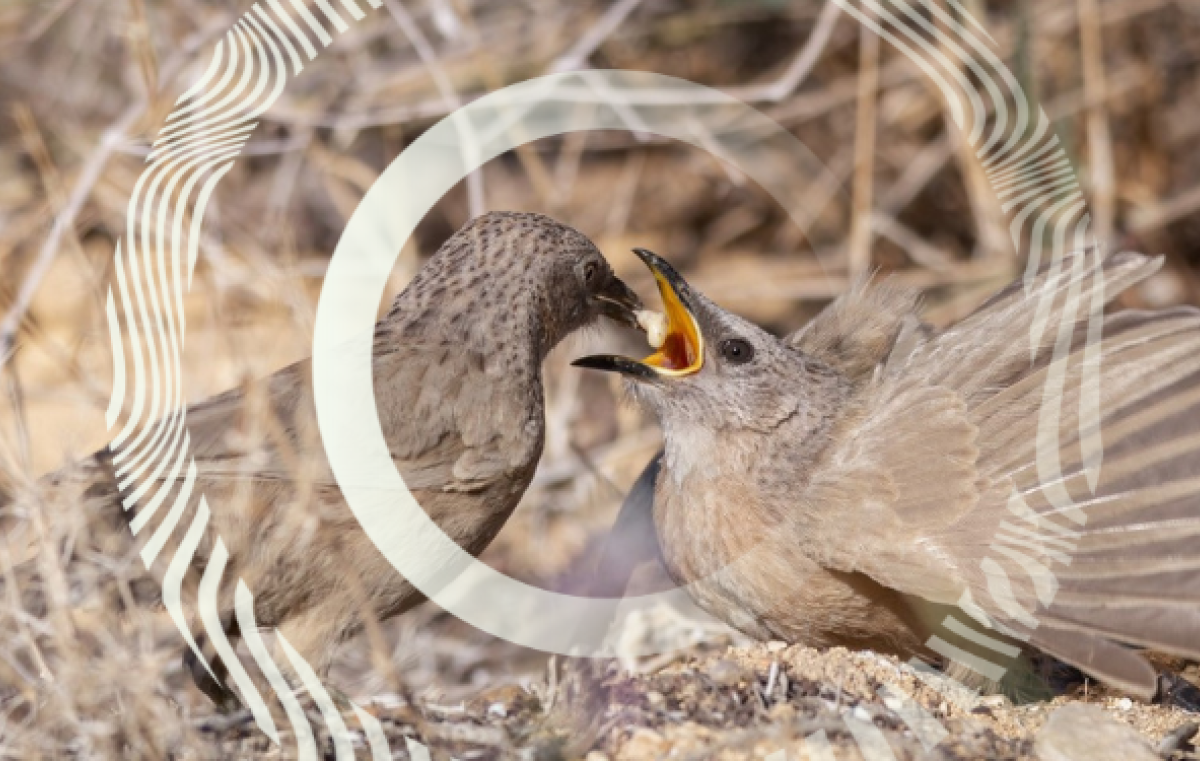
{"x":737,"y":351}
{"x":590,"y":271}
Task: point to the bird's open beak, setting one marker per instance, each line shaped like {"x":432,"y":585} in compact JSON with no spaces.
{"x":619,"y":303}
{"x":682,"y":350}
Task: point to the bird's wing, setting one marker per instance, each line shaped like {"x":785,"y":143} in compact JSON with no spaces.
{"x":862,"y":327}
{"x":457,"y":419}
{"x":903,"y":465}
{"x":887,"y":441}
{"x":264,"y":430}
{"x":1051,"y":467}
{"x":448,"y":429}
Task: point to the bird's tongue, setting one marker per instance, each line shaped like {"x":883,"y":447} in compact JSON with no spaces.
{"x":674,"y":354}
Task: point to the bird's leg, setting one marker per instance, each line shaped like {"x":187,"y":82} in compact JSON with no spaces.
{"x":222,"y":697}
{"x":313,"y":635}
{"x":1174,"y":690}
{"x":217,"y":689}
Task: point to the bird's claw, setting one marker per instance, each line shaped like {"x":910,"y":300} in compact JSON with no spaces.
{"x":1174,"y":690}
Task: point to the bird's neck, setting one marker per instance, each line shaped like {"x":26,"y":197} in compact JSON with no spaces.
{"x":696,"y":458}
{"x":792,"y":443}
{"x":742,"y":481}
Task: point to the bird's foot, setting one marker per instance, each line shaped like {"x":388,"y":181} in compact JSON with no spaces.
{"x":340,"y":700}
{"x":1174,"y":690}
{"x":343,"y":706}
{"x":225,"y":699}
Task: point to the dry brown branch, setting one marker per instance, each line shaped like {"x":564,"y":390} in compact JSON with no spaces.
{"x":800,"y":67}
{"x":1100,"y":148}
{"x":450,"y":97}
{"x":864,"y":152}
{"x":1149,"y":219}
{"x":89,"y":175}
{"x":63,"y":222}
{"x":577,"y":55}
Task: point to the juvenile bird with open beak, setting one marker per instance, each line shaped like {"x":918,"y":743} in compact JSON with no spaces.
{"x":836,"y":486}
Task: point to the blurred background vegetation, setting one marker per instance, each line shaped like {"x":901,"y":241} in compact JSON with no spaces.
{"x":86,"y":84}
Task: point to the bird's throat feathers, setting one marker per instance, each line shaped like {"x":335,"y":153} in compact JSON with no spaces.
{"x":695,"y":453}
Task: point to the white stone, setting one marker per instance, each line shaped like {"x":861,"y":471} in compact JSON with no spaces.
{"x":1081,"y":732}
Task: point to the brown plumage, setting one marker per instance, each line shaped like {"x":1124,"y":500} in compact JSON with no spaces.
{"x":866,"y":479}
{"x":854,"y":333}
{"x":457,"y":376}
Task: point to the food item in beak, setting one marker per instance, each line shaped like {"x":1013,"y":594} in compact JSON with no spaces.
{"x":656,"y":326}
{"x":674,"y":333}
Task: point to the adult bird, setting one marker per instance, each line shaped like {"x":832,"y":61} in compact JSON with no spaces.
{"x":878,"y":484}
{"x":457,"y":372}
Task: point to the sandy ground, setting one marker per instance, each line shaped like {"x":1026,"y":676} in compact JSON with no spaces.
{"x":714,"y":700}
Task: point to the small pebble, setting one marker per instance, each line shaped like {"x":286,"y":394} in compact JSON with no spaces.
{"x":1079,"y":732}
{"x":774,"y":646}
{"x":1124,"y":704}
{"x":725,"y":673}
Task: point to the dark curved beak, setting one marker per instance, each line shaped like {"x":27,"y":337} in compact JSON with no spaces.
{"x":614,"y":364}
{"x":664,"y":272}
{"x":682,"y":352}
{"x":619,"y":303}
